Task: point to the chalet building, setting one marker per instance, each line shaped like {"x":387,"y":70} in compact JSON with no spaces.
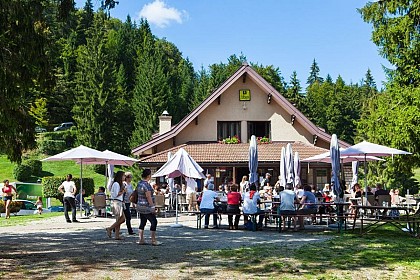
{"x":244,"y":105}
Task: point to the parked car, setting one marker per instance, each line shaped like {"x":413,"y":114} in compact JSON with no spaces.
{"x":64,"y":126}
{"x":39,"y":129}
{"x":28,"y":208}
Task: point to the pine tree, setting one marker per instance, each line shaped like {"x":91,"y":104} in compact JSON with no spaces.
{"x":95,"y":88}
{"x":314,"y":74}
{"x":293,"y":93}
{"x":151,"y":91}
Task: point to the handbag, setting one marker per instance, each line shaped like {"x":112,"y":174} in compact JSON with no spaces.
{"x":134,"y":197}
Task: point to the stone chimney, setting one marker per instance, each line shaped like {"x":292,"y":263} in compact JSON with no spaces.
{"x":165,"y":122}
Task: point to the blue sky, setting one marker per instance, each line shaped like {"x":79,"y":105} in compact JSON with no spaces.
{"x":288,"y":34}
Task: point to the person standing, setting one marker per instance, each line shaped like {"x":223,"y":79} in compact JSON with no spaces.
{"x":128,"y":191}
{"x":68,"y":189}
{"x":191,"y":194}
{"x":146,"y":208}
{"x":117,"y":193}
{"x":244,"y":184}
{"x":234,"y":200}
{"x":7,"y":196}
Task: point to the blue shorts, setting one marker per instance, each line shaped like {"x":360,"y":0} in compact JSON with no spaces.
{"x":6,"y":198}
{"x":287,"y":212}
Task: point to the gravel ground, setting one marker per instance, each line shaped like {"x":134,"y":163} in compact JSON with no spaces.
{"x":54,"y":249}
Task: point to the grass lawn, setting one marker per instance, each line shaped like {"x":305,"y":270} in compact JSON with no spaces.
{"x":23,"y":220}
{"x":52,"y":168}
{"x":386,"y":254}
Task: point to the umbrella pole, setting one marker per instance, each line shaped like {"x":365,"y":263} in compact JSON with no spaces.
{"x":176,"y":209}
{"x":81,"y":187}
{"x":366,"y":186}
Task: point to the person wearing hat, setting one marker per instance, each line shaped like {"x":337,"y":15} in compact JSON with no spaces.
{"x":207,"y":205}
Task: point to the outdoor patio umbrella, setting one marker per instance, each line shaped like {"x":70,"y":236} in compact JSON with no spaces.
{"x":112,"y":158}
{"x":180,"y":164}
{"x":290,"y":176}
{"x":354,"y":169}
{"x":283,"y":170}
{"x":326,"y":158}
{"x":335,"y":166}
{"x":79,"y":154}
{"x":296,"y":166}
{"x":253,"y":160}
{"x":366,"y":149}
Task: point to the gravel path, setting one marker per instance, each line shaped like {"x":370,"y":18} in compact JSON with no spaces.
{"x":54,"y":249}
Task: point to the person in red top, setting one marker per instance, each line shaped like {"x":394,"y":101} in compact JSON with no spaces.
{"x":7,"y":196}
{"x":234,"y":200}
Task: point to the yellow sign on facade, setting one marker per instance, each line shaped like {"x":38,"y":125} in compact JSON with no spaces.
{"x":244,"y":95}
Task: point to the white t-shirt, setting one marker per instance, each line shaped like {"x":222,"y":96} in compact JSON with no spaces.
{"x":69,"y":188}
{"x":287,"y":200}
{"x":191,"y":185}
{"x":250,"y":206}
{"x":115,"y":189}
{"x":208,"y":199}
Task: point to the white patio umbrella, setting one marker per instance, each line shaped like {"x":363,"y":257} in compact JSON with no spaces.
{"x":326,"y":158}
{"x":290,"y":176}
{"x":180,"y":164}
{"x":335,"y":165}
{"x":366,"y":149}
{"x":296,"y":166}
{"x":111,"y":159}
{"x":283,"y":170}
{"x":354,"y":169}
{"x":79,"y":154}
{"x":253,"y":160}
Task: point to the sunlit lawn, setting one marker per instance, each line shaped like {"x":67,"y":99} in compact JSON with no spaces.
{"x":384,"y":254}
{"x":23,"y":220}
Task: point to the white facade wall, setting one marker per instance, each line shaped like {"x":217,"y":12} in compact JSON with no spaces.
{"x":231,"y":109}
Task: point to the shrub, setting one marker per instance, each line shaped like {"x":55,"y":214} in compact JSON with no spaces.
{"x":50,"y":186}
{"x":55,"y":142}
{"x":35,"y":165}
{"x":14,"y":207}
{"x":22,"y":172}
{"x":51,"y":147}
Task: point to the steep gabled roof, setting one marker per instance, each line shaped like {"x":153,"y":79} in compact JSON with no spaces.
{"x":263,"y":84}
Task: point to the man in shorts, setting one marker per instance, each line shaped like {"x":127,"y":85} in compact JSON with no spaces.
{"x":191,"y":194}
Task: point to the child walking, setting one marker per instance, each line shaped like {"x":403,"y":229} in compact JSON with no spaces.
{"x":38,"y":204}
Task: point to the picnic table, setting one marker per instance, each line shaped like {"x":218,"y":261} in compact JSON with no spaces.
{"x":384,"y":215}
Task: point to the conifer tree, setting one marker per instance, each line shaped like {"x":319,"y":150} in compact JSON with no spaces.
{"x":314,"y":74}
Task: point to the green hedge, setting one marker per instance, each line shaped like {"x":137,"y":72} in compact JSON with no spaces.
{"x":56,"y":142}
{"x":50,"y":186}
{"x":35,"y":165}
{"x":15,"y":206}
{"x":22,"y":172}
{"x":51,"y":147}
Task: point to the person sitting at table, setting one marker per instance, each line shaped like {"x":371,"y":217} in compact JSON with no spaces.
{"x":100,"y":193}
{"x":308,"y":205}
{"x":287,"y":208}
{"x":81,"y":200}
{"x":208,"y":199}
{"x":250,"y":205}
{"x":357,"y":191}
{"x":234,"y":200}
{"x":380,"y":191}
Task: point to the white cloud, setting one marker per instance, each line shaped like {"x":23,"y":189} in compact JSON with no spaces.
{"x":161,"y":15}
